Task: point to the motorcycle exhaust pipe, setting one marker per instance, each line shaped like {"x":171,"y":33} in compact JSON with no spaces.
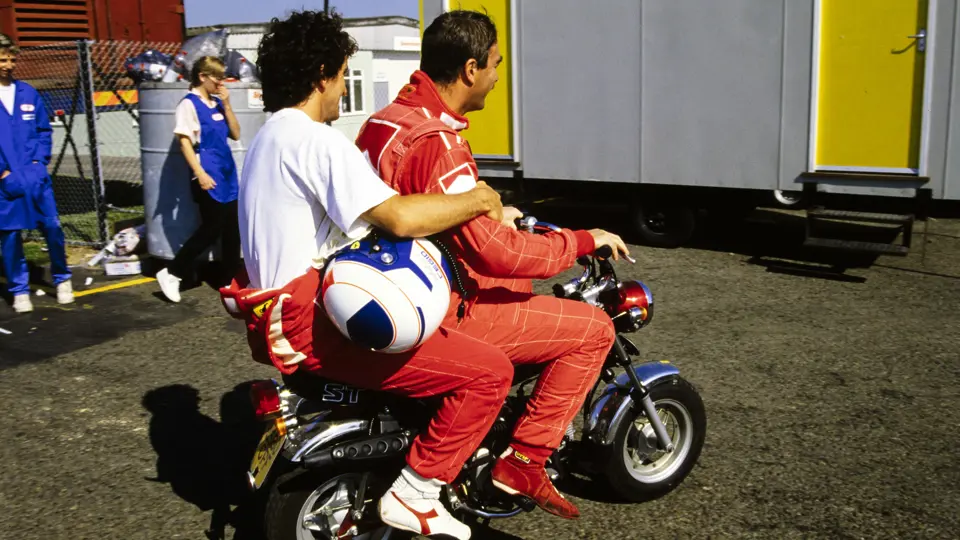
{"x":369,"y":448}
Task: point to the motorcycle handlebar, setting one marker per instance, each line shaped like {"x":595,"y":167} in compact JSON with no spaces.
{"x":531,"y":224}
{"x":603,"y":252}
{"x":606,"y":252}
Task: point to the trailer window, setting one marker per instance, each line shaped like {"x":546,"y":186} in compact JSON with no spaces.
{"x":353,"y":101}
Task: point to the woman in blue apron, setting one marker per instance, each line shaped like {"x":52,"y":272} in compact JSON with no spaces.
{"x":26,"y":190}
{"x":204,"y":120}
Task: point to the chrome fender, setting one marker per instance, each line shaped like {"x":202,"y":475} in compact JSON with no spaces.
{"x":615,"y":401}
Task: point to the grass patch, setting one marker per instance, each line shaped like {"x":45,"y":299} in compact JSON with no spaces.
{"x":34,"y":252}
{"x":82,"y":227}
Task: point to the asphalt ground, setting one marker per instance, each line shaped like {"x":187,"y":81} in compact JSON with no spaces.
{"x":831,"y":389}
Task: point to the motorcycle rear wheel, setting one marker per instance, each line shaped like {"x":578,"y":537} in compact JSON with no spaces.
{"x":638,"y":470}
{"x":299,"y":495}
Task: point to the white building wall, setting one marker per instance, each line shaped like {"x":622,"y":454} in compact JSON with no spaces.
{"x":349,"y":123}
{"x":389,"y":54}
{"x":395,"y":68}
{"x":245,"y":40}
{"x":381,"y":37}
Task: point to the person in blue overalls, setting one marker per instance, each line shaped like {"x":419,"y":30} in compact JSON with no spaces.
{"x":204,"y":120}
{"x":26,"y":190}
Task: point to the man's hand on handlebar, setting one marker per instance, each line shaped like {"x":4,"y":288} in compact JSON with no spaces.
{"x":603,"y":238}
{"x":511,"y":216}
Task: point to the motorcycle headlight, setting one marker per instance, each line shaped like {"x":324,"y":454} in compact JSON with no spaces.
{"x":635,"y":307}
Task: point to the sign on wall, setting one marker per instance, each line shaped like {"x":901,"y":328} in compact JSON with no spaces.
{"x":406,"y":43}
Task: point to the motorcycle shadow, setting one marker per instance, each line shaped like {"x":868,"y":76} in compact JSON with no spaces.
{"x":589,"y":489}
{"x":204,"y":460}
{"x":488,"y":534}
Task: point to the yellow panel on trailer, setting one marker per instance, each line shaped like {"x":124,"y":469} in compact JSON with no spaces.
{"x":870,"y":98}
{"x":490,"y":133}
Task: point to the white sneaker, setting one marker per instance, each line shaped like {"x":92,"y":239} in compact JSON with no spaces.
{"x":169,"y":284}
{"x":22,"y":303}
{"x":65,"y":292}
{"x":413,"y":504}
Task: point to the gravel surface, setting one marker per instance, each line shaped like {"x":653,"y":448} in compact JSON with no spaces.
{"x":832,"y":401}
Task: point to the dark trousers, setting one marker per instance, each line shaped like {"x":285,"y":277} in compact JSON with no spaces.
{"x":218,"y":221}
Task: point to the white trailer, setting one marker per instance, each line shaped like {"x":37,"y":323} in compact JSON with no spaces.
{"x":678,"y":104}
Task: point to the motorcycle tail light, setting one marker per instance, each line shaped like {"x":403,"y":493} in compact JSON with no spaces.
{"x":266,"y":399}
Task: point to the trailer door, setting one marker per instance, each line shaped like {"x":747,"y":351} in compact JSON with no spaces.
{"x":869,"y":67}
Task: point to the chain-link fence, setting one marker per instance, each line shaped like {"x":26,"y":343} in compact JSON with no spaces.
{"x":92,"y":101}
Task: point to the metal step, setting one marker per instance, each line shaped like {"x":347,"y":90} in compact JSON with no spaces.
{"x":860,"y":216}
{"x":826,"y":176}
{"x":853,"y":245}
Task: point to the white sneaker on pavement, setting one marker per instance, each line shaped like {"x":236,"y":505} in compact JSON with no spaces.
{"x":413,"y":504}
{"x":65,"y":292}
{"x":22,"y":303}
{"x":169,"y":285}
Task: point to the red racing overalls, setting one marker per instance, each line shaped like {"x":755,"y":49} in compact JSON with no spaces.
{"x":415,"y":147}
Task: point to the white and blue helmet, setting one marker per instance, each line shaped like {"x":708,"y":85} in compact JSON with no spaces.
{"x":387,"y":295}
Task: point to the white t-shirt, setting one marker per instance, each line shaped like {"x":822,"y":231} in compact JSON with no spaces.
{"x":8,"y":94}
{"x":187,"y":121}
{"x":303,"y":190}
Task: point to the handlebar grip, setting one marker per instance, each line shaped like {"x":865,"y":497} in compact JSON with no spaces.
{"x":603,"y":252}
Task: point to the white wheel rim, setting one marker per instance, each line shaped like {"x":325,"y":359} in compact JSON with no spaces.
{"x":788,"y":198}
{"x":679,"y":424}
{"x":336,"y":493}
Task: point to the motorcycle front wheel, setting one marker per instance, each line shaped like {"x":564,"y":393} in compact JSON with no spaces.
{"x":308,"y":505}
{"x":637,"y":469}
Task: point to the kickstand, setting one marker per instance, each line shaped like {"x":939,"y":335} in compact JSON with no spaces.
{"x":357,"y":510}
{"x":348,"y":528}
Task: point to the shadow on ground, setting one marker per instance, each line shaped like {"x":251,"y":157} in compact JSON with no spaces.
{"x":769,"y":238}
{"x":203,"y":460}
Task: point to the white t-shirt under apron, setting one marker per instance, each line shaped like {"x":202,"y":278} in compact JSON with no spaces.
{"x":187,"y":121}
{"x":303,"y":189}
{"x":8,"y":95}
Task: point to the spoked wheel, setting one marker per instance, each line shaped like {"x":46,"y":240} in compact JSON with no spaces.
{"x":638,"y":469}
{"x":299,"y":509}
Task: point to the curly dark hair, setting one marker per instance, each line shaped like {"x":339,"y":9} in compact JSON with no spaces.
{"x":454,"y":38}
{"x":297,"y":53}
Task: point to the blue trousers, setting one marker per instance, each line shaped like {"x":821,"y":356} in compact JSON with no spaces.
{"x":15,"y":263}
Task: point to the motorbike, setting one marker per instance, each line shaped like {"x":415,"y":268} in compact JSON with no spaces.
{"x":329,"y":451}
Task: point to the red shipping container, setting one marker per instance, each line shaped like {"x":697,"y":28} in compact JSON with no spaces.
{"x":36,"y":22}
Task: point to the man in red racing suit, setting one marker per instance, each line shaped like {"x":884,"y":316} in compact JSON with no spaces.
{"x":415,"y":147}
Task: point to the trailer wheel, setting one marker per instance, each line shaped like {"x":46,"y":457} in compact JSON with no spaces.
{"x":666,"y":226}
{"x":790,"y":199}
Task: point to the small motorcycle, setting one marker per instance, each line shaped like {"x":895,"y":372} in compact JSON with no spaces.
{"x":330,"y":451}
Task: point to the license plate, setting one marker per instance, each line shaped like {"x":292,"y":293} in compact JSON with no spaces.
{"x":267,"y":451}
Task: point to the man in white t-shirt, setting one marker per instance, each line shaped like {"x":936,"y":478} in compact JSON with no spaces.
{"x":306,"y":190}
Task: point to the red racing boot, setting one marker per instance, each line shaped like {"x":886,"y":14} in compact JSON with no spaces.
{"x":517,"y":475}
